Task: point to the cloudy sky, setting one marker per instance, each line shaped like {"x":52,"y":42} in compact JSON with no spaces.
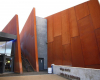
{"x":44,"y":8}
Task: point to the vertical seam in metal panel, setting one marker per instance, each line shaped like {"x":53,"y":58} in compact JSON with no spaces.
{"x":70,"y":36}
{"x":79,"y":38}
{"x":53,"y":37}
{"x":93,"y":26}
{"x":94,"y":30}
{"x":70,"y":39}
{"x":94,"y":34}
{"x":53,"y":26}
{"x":61,"y":38}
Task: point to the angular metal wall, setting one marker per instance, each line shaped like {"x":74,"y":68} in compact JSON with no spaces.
{"x":13,"y":28}
{"x":65,"y":27}
{"x":74,"y":36}
{"x":57,"y":50}
{"x":67,"y":55}
{"x":28,"y":38}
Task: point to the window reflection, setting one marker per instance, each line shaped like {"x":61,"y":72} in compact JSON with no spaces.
{"x":8,"y":48}
{"x":5,"y":48}
{"x":2,"y":47}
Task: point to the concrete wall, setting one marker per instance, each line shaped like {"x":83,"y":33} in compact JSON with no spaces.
{"x":77,"y":72}
{"x":41,"y":25}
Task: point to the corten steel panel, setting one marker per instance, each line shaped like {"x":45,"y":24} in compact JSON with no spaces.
{"x":94,"y":66}
{"x":29,"y":41}
{"x":77,"y":56}
{"x":67,"y":60}
{"x":50,"y":28}
{"x":97,"y":32}
{"x":65,"y":27}
{"x":50,"y":54}
{"x":73,"y":23}
{"x":94,"y":8}
{"x":57,"y":50}
{"x":57,"y":24}
{"x":88,"y":39}
{"x":82,"y":10}
{"x":85,"y":25}
{"x":13,"y":28}
{"x":90,"y":49}
{"x":35,"y":35}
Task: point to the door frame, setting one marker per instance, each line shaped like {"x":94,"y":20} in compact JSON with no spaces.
{"x":43,"y":63}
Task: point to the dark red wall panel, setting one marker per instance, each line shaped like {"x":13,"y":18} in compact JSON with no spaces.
{"x":29,"y":41}
{"x":67,"y":55}
{"x":93,"y":66}
{"x":88,"y":40}
{"x":73,"y":23}
{"x":50,"y":54}
{"x":94,"y":8}
{"x":97,"y":31}
{"x":50,"y":27}
{"x":85,"y":26}
{"x":57,"y":24}
{"x":57,"y":50}
{"x":13,"y":28}
{"x":65,"y":27}
{"x":79,"y":27}
{"x":82,"y":10}
{"x":90,"y":49}
{"x":77,"y":55}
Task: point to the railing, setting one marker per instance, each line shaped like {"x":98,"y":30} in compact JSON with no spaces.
{"x":26,"y":64}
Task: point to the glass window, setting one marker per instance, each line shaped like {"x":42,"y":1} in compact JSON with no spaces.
{"x":8,"y":48}
{"x":2,"y":47}
{"x":5,"y":48}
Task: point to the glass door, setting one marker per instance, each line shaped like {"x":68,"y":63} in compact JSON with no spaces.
{"x":8,"y":64}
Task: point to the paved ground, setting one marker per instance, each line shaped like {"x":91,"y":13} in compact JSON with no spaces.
{"x":25,"y":73}
{"x":34,"y":77}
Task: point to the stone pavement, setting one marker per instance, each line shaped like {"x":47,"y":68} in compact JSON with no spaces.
{"x":34,"y":77}
{"x":25,"y":73}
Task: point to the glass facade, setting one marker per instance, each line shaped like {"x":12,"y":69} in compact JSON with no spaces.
{"x":2,"y":47}
{"x":8,"y":48}
{"x":5,"y":48}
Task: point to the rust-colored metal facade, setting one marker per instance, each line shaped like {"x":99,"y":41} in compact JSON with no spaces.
{"x":13,"y":28}
{"x":28,"y":39}
{"x":74,"y":36}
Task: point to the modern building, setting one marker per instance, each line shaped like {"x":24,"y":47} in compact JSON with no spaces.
{"x":70,"y":37}
{"x":7,"y":52}
{"x":10,"y":51}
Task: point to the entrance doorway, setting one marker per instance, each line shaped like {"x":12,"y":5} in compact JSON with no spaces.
{"x":7,"y":52}
{"x":1,"y":63}
{"x":8,"y":64}
{"x":41,"y":64}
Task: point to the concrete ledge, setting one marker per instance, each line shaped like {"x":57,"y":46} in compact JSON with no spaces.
{"x":77,"y":73}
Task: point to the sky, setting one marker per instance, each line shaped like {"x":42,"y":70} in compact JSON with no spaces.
{"x":44,"y":8}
